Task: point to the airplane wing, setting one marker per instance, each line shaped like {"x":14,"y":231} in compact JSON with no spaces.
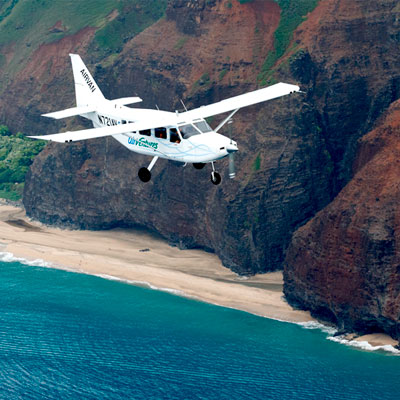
{"x":92,"y":133}
{"x":244,"y":100}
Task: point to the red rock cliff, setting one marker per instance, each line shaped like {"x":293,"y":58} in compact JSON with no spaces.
{"x":344,"y":265}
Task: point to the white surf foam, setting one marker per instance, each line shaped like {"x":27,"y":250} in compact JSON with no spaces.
{"x":317,"y":325}
{"x":364,"y":345}
{"x":9,"y":257}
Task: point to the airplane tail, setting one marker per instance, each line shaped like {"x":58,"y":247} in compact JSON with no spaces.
{"x":88,"y":95}
{"x":86,"y":90}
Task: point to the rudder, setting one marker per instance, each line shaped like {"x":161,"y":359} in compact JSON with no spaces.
{"x":86,"y":90}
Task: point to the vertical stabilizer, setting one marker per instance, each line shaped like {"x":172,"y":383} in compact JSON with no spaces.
{"x":86,"y":90}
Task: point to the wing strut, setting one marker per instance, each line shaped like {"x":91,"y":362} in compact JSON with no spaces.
{"x":226,"y":120}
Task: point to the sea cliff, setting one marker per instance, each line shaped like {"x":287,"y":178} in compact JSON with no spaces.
{"x":297,"y":154}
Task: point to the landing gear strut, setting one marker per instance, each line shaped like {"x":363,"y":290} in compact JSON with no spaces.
{"x":215,"y":176}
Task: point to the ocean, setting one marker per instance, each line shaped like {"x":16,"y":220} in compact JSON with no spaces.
{"x":66,"y":335}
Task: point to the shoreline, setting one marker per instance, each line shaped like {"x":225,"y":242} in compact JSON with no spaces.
{"x":139,"y":258}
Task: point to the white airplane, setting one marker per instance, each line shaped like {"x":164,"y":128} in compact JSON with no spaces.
{"x":185,"y":137}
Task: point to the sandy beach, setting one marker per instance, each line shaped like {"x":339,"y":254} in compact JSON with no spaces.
{"x":143,"y":259}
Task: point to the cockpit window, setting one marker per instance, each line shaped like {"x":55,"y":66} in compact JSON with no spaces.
{"x":203,"y":126}
{"x":188,"y":130}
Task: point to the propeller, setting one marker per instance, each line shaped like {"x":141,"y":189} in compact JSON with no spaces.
{"x":232,"y":172}
{"x":231,"y":156}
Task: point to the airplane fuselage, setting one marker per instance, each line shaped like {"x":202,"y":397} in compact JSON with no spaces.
{"x":200,"y":145}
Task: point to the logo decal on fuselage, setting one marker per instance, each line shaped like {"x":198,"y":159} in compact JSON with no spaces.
{"x":143,"y":142}
{"x":88,"y":80}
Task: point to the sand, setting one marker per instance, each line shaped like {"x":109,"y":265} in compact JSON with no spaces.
{"x":144,"y":259}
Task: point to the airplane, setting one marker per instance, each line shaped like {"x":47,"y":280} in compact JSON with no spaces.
{"x":185,"y":137}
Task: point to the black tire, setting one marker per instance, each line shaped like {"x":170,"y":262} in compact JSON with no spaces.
{"x":199,"y":165}
{"x":215,"y":178}
{"x":144,"y":174}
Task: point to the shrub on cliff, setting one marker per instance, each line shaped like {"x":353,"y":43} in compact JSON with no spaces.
{"x":16,"y":155}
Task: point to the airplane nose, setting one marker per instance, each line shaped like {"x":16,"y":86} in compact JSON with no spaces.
{"x":232,"y":147}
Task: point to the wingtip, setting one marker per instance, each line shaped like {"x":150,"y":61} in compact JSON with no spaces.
{"x":48,"y":115}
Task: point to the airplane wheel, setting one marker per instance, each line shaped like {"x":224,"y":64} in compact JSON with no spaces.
{"x":199,"y":165}
{"x":144,"y":174}
{"x":215,"y":178}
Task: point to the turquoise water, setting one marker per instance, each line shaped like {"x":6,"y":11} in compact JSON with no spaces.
{"x":72,"y":336}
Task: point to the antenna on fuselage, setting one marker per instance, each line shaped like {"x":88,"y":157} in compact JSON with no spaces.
{"x":157,"y":107}
{"x":183,"y":104}
{"x":232,"y":172}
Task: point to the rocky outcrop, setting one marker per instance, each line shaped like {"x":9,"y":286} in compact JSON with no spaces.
{"x":343,"y":265}
{"x":348,"y":59}
{"x":188,"y":14}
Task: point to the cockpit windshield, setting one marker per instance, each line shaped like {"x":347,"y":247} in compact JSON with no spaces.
{"x":188,"y":130}
{"x":203,"y":126}
{"x":196,"y":128}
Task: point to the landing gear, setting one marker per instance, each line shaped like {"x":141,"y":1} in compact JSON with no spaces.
{"x":215,"y":178}
{"x":144,"y":174}
{"x":199,"y":165}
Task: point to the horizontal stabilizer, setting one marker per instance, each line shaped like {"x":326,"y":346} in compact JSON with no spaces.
{"x":70,"y":112}
{"x":126,"y":100}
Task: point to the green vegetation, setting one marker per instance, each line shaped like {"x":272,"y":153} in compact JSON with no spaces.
{"x":180,"y":43}
{"x":6,"y":7}
{"x":16,"y":155}
{"x":257,"y":163}
{"x":31,"y":21}
{"x":293,"y":13}
{"x":133,"y":17}
{"x":222,"y":74}
{"x":27,"y":24}
{"x":204,"y":81}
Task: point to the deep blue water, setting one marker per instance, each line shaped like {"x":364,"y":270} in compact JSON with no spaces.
{"x":71,"y":336}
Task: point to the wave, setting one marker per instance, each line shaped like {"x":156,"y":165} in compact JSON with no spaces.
{"x":9,"y":257}
{"x":145,"y":284}
{"x":317,"y":325}
{"x":331,"y":331}
{"x":364,"y":345}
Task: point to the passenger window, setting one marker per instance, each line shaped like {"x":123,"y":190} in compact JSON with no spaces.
{"x":123,"y":122}
{"x":145,"y":132}
{"x":174,"y":136}
{"x":160,"y":133}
